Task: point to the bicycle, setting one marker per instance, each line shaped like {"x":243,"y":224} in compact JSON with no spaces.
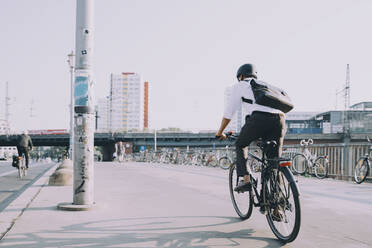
{"x":362,"y":167}
{"x":22,"y":170}
{"x":276,"y":195}
{"x":226,"y":160}
{"x":307,"y":162}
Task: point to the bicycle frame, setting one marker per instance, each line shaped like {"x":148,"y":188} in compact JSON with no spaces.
{"x":266,"y":175}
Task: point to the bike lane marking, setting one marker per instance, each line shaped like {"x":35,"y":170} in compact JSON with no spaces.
{"x":15,"y":171}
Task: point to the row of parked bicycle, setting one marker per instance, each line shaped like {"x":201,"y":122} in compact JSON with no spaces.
{"x":302,"y":161}
{"x":196,"y":157}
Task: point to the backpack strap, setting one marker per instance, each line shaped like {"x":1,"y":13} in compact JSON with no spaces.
{"x":247,"y":100}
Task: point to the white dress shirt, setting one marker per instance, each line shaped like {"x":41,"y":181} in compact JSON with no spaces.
{"x":244,"y":89}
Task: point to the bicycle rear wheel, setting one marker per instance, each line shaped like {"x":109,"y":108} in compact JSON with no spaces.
{"x":242,"y":202}
{"x":24,"y":165}
{"x":321,"y":167}
{"x":361,"y":170}
{"x":283,"y":210}
{"x":20,"y":170}
{"x":224,"y":163}
{"x":21,"y":167}
{"x":299,"y":164}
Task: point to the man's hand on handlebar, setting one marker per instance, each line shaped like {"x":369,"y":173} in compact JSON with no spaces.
{"x":223,"y":136}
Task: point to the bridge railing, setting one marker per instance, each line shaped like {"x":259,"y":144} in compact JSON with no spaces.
{"x":342,"y":157}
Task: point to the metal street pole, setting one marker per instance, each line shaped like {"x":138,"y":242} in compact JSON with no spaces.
{"x":84,"y":106}
{"x":71,"y":58}
{"x":83,"y":160}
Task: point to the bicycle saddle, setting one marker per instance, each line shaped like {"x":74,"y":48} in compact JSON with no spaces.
{"x":263,"y":144}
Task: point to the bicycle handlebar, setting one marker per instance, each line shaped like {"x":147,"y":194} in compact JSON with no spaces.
{"x":228,"y":135}
{"x":306,"y":143}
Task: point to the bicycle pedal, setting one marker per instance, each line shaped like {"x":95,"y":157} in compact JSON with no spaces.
{"x":263,"y":211}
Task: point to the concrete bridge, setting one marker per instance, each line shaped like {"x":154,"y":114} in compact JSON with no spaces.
{"x":173,"y":139}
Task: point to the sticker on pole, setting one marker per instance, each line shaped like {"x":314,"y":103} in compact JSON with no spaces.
{"x":81,"y":90}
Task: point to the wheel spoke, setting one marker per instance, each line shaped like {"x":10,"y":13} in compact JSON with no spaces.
{"x":284,"y":212}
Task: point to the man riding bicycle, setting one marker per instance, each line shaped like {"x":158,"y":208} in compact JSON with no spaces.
{"x":261,"y":122}
{"x":24,"y":146}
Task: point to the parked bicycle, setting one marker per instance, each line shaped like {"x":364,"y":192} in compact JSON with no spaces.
{"x":310,"y":163}
{"x":226,"y":159}
{"x":274,"y":191}
{"x":362,"y":167}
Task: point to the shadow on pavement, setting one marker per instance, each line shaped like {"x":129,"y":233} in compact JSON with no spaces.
{"x":142,"y":232}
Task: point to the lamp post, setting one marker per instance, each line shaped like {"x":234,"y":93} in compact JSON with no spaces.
{"x":71,"y":61}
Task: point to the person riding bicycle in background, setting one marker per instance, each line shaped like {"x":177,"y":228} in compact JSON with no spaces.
{"x":24,"y":146}
{"x":261,"y":122}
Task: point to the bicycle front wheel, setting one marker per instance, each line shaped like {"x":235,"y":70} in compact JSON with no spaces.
{"x":299,"y":164}
{"x":224,"y":163}
{"x":242,"y":202}
{"x":321,"y":167}
{"x":361,"y":170}
{"x":283,"y":205}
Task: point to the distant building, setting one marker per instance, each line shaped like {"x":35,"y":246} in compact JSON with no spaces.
{"x":354,"y":121}
{"x":358,"y":119}
{"x":301,"y":122}
{"x":362,"y":106}
{"x":125,"y":102}
{"x":146,"y":105}
{"x":103,"y":114}
{"x":300,"y":115}
{"x":6,"y":151}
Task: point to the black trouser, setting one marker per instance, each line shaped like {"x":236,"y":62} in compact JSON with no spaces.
{"x":259,"y":125}
{"x":23,"y":150}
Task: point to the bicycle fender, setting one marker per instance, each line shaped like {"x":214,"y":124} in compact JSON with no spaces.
{"x":291,"y":179}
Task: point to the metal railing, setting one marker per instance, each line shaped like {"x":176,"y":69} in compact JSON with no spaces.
{"x":342,"y":157}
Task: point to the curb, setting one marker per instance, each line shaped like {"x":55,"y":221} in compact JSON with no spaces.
{"x":16,"y":208}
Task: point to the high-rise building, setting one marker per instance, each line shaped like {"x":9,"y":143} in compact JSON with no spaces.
{"x":125,"y":102}
{"x":146,"y":105}
{"x":103,"y":114}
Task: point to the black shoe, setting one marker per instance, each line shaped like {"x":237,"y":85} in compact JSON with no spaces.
{"x":263,"y":210}
{"x":243,"y":187}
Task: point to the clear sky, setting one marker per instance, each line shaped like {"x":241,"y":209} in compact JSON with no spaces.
{"x":188,"y":50}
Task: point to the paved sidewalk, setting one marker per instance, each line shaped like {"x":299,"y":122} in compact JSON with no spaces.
{"x":16,"y":208}
{"x":143,"y":205}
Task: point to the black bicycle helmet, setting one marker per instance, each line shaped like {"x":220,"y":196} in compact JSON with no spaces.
{"x":247,"y":70}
